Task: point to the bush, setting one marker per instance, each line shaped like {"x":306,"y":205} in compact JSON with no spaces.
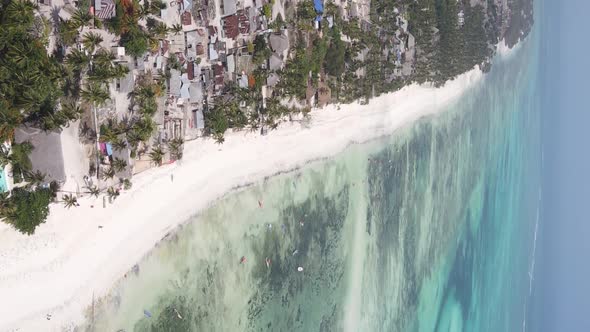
{"x":267,"y":11}
{"x":334,"y":60}
{"x":25,"y":210}
{"x":135,"y":42}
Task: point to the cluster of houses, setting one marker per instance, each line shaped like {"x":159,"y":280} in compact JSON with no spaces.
{"x":212,"y":53}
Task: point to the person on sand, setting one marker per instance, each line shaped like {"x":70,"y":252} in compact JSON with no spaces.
{"x":260,"y":204}
{"x":243,"y":260}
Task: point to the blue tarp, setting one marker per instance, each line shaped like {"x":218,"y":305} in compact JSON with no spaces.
{"x":109,"y":149}
{"x":318,"y":5}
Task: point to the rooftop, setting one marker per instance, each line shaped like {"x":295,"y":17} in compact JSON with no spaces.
{"x":279,"y":42}
{"x":47,"y":155}
{"x":228,"y":7}
{"x":230,"y":26}
{"x":275,"y":62}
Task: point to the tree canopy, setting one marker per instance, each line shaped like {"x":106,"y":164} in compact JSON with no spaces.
{"x":25,"y":210}
{"x":30,"y":79}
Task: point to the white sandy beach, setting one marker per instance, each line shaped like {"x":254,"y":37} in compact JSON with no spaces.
{"x":70,"y":259}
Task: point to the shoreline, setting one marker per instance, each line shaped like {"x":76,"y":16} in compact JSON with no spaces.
{"x":70,"y":261}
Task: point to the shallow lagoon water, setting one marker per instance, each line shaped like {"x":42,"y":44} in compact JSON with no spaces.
{"x":429,"y":229}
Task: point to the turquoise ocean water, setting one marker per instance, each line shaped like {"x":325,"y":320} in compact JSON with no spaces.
{"x":430,"y":229}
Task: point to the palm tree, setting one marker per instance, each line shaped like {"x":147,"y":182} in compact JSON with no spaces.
{"x":21,"y":11}
{"x":154,"y":43}
{"x":95,"y":94}
{"x":103,"y":57}
{"x":161,"y":29}
{"x":175,"y":146}
{"x":93,"y":191}
{"x":20,"y":161}
{"x":119,"y":144}
{"x":155,"y":6}
{"x":157,"y":155}
{"x":109,"y":173}
{"x":81,"y":18}
{"x":69,"y":200}
{"x":142,"y":13}
{"x":91,"y":41}
{"x":4,"y":155}
{"x":69,"y":110}
{"x":176,"y":28}
{"x":119,"y":164}
{"x":126,"y":183}
{"x":113,"y":193}
{"x":108,"y":132}
{"x":67,"y":31}
{"x":118,"y":71}
{"x":10,"y":119}
{"x":143,"y":128}
{"x":35,"y":178}
{"x":77,"y":60}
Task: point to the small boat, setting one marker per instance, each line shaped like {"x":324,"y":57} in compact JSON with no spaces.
{"x":177,"y":313}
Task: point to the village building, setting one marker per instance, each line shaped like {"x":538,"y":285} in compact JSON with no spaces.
{"x":275,"y":62}
{"x":47,"y":156}
{"x":218,"y":79}
{"x":228,"y":7}
{"x":272,"y":80}
{"x":175,"y":83}
{"x":104,"y":9}
{"x":279,"y":43}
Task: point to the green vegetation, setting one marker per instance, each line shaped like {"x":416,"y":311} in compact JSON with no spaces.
{"x":216,"y":123}
{"x":334,"y":61}
{"x":157,"y":155}
{"x":25,"y":209}
{"x":261,"y":51}
{"x":31,"y":80}
{"x":20,"y":162}
{"x":267,"y":11}
{"x":295,"y":75}
{"x":305,"y":10}
{"x":69,"y":200}
{"x":175,"y":147}
{"x":135,"y":42}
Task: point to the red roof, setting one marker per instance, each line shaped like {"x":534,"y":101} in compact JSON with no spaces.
{"x":190,"y":70}
{"x":186,"y":18}
{"x":230,"y":26}
{"x":243,"y":21}
{"x":200,"y":49}
{"x":218,"y":72}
